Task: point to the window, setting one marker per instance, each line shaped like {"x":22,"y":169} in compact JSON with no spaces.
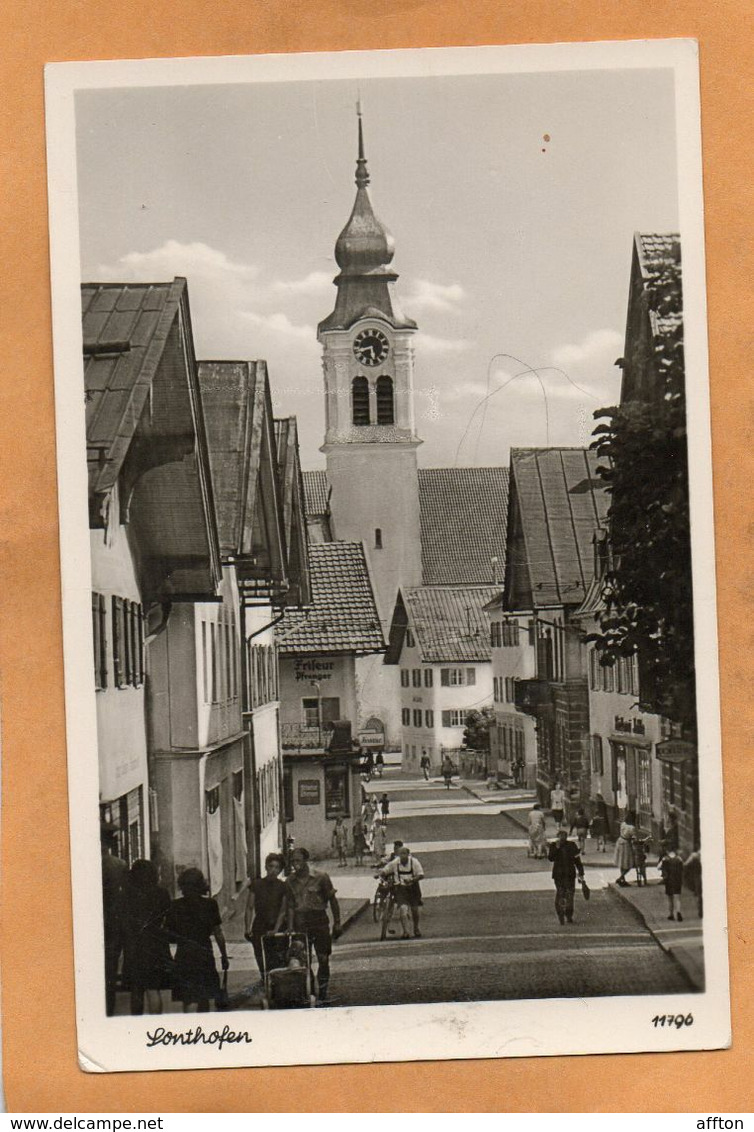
{"x":205,"y":663}
{"x":119,"y":644}
{"x":598,"y":761}
{"x":496,"y":636}
{"x":417,"y":717}
{"x":410,"y":639}
{"x":99,"y":635}
{"x":634,"y":675}
{"x":594,"y":670}
{"x":429,"y":718}
{"x":456,"y":677}
{"x":428,"y":677}
{"x":510,"y":692}
{"x":622,"y":674}
{"x":416,"y":677}
{"x":360,"y":401}
{"x":509,"y":633}
{"x":405,"y":679}
{"x":406,"y":716}
{"x":644,"y":780}
{"x":378,"y":538}
{"x":311,"y":712}
{"x":608,"y":675}
{"x":455,"y":718}
{"x":385,"y":409}
{"x":214,"y":662}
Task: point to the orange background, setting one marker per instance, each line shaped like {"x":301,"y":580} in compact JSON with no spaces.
{"x":39,"y":1040}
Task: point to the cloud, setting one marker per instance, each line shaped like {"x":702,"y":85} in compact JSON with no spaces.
{"x":315,"y":283}
{"x":173,"y":258}
{"x":596,"y":346}
{"x":431,"y":344}
{"x":425,"y":295}
{"x":279,"y":323}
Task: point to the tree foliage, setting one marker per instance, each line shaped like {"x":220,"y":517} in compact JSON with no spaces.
{"x":476,"y":736}
{"x":647,"y":581}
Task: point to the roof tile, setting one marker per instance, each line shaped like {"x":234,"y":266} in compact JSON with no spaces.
{"x":450,"y":623}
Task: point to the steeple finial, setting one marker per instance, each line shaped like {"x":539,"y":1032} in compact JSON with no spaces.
{"x":362,"y":173}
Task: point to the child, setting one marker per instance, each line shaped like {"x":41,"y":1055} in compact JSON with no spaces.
{"x":359,"y":842}
{"x":597,"y":830}
{"x":581,"y":824}
{"x":296,"y":955}
{"x":672,"y":874}
{"x":340,"y":842}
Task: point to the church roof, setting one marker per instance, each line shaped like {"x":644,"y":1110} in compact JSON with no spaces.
{"x":464,"y":514}
{"x":343,"y":616}
{"x":463,"y":520}
{"x":449,"y":622}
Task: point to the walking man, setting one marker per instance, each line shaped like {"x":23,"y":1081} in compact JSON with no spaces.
{"x":308,"y":893}
{"x":385,"y":807}
{"x":566,"y":863}
{"x":425,"y":765}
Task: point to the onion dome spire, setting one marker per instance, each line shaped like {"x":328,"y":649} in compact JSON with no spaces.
{"x":364,"y":252}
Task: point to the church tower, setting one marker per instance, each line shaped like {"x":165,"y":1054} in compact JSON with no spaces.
{"x":370,"y":440}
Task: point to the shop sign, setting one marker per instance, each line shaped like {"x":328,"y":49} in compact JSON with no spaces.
{"x":314,"y":671}
{"x":371,"y":739}
{"x":675,"y":751}
{"x":309,"y":792}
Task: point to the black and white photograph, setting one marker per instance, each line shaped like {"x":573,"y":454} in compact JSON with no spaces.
{"x":387,"y":555}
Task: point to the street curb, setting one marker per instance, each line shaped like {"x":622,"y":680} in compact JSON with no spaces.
{"x":354,"y":914}
{"x":677,"y":954}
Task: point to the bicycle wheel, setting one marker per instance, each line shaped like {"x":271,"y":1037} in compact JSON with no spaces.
{"x":377,"y":906}
{"x":387,"y":915}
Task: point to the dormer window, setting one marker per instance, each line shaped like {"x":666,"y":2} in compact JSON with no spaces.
{"x":360,"y":401}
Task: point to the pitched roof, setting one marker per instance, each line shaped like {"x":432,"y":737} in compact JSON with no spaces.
{"x":125,"y":331}
{"x":316,"y":490}
{"x":343,"y":615}
{"x":655,"y":252}
{"x":464,"y":513}
{"x":559,"y":504}
{"x":449,"y":622}
{"x":294,"y":519}
{"x":243,"y":455}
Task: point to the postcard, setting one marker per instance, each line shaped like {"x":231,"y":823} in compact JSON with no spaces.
{"x":387,"y":555}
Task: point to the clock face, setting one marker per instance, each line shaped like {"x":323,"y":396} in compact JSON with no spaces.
{"x":371,"y":347}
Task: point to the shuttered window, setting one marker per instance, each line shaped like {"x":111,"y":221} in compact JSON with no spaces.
{"x":360,"y":401}
{"x":385,"y":409}
{"x":119,"y":644}
{"x":99,"y":638}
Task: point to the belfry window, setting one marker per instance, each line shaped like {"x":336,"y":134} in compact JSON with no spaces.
{"x":385,"y":409}
{"x":360,"y":401}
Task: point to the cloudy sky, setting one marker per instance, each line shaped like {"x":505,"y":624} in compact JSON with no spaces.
{"x":513,"y":200}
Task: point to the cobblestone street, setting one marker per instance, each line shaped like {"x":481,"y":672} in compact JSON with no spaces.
{"x":488,"y":922}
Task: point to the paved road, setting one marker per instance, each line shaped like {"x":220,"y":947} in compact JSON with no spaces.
{"x":488,"y":922}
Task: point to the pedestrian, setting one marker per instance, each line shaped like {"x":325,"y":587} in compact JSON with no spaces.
{"x":384,"y":806}
{"x":624,"y":854}
{"x":692,"y":872}
{"x":264,"y":906}
{"x":340,"y":842}
{"x":597,"y":828}
{"x":672,"y":873}
{"x":192,"y":922}
{"x":368,"y":765}
{"x":670,"y":835}
{"x":580,"y":825}
{"x":359,"y":842}
{"x":601,"y":812}
{"x":379,"y":843}
{"x":379,"y":764}
{"x":148,"y":964}
{"x":308,"y":894}
{"x":406,"y":873}
{"x":447,"y":770}
{"x":566,"y":864}
{"x":425,"y":764}
{"x":537,"y":837}
{"x":114,"y":873}
{"x":557,"y":803}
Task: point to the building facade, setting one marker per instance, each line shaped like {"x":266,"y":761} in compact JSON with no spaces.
{"x":513,"y":739}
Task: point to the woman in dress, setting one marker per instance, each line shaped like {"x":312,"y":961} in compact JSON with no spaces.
{"x":624,"y":854}
{"x":148,"y":964}
{"x":192,"y":921}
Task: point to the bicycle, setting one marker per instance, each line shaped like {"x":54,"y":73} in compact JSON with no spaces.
{"x":383,"y":906}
